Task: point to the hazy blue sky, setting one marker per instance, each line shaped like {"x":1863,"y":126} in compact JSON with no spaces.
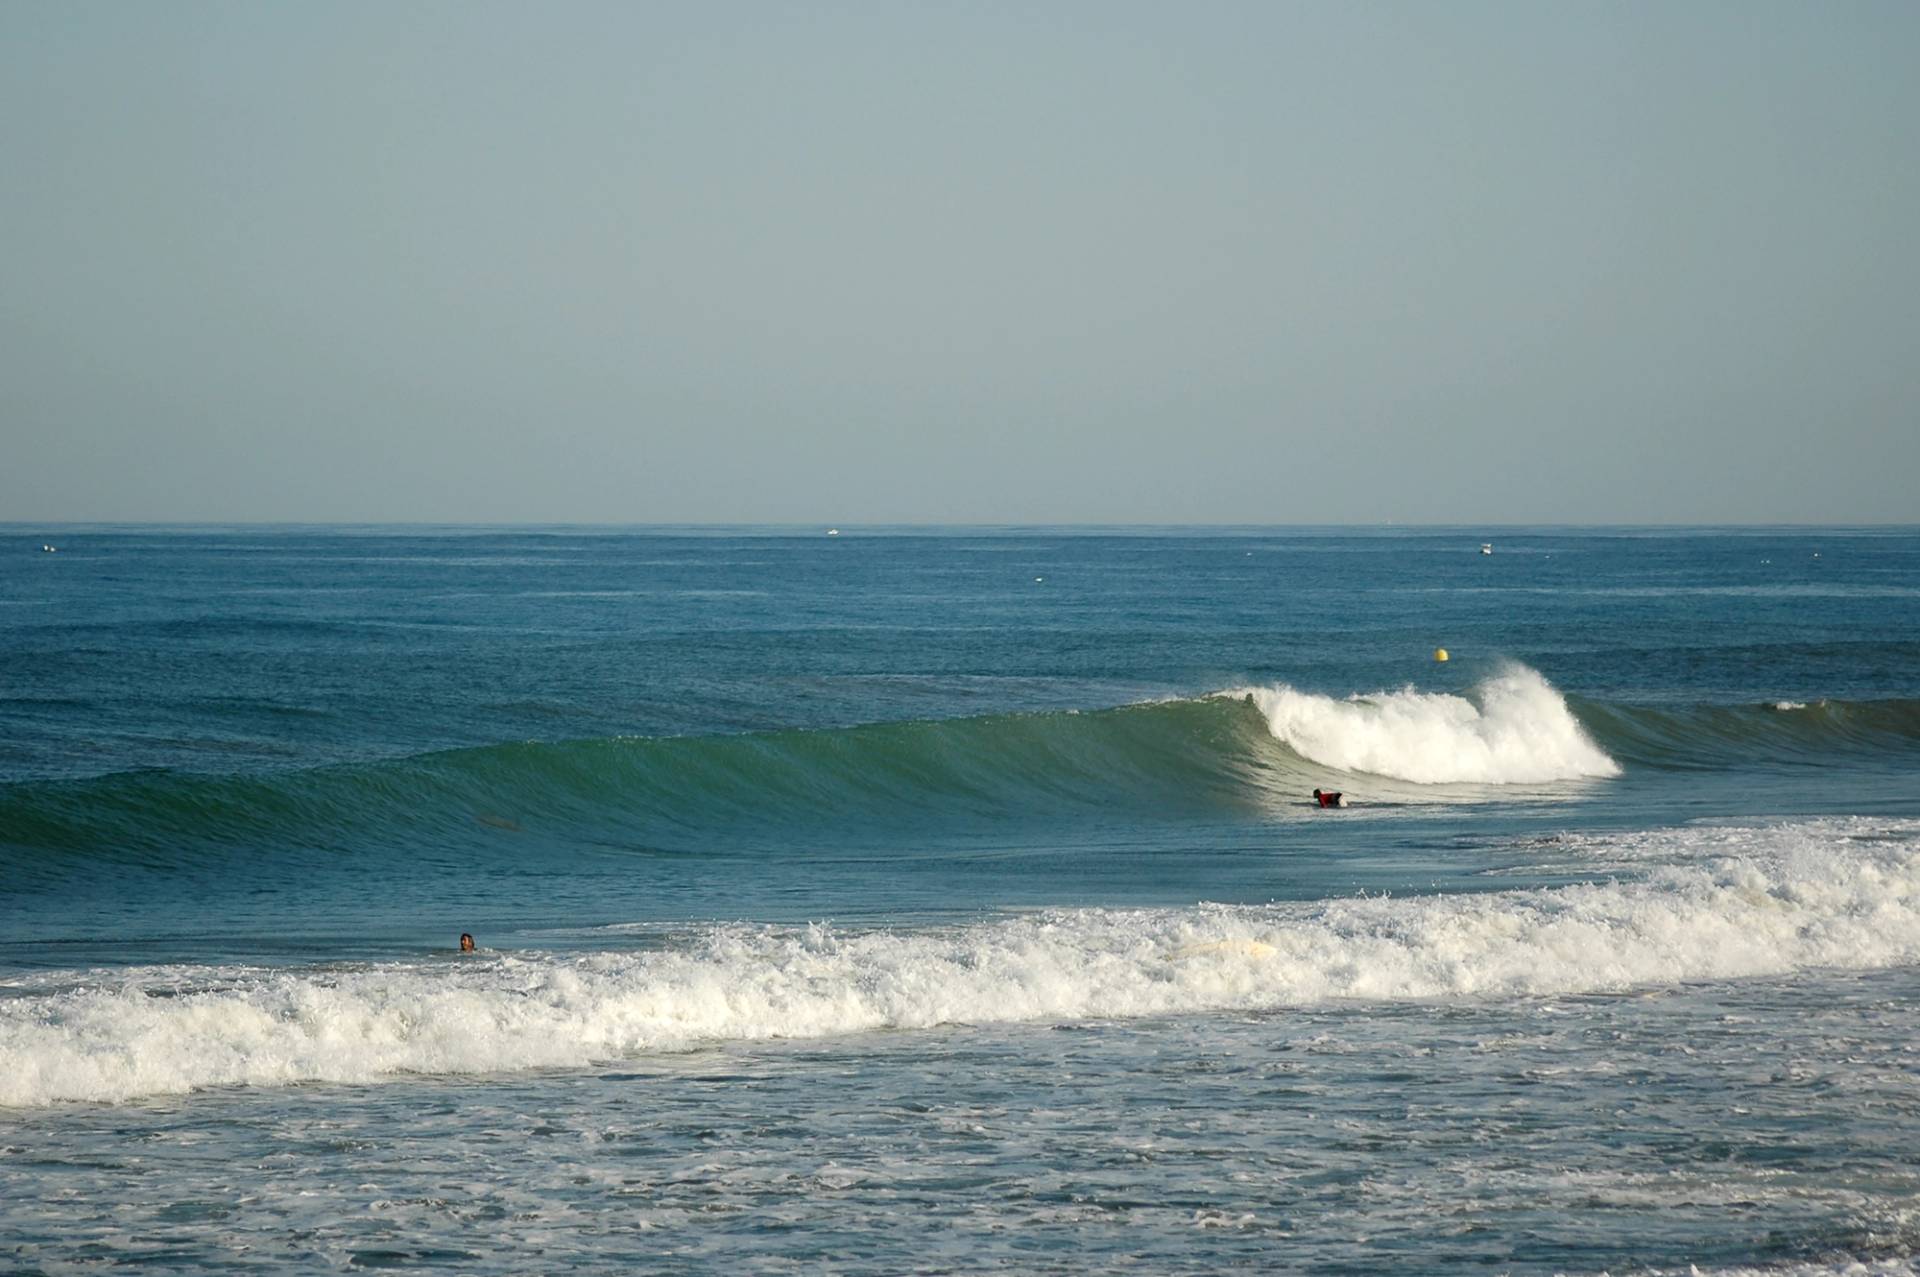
{"x":975,"y":262}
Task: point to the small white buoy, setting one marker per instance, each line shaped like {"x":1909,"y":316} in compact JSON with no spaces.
{"x":47,"y":549}
{"x":1038,"y":579}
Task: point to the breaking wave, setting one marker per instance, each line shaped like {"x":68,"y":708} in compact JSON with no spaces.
{"x":1513,"y":729}
{"x":1250,"y":751}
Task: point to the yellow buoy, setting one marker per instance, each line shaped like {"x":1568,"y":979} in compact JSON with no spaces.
{"x":1439,"y":653}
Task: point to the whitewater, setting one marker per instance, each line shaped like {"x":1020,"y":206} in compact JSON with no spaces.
{"x":1513,"y":728}
{"x":934,"y":900}
{"x":1842,"y":895}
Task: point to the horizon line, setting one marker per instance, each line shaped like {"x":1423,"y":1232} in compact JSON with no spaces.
{"x":822,"y":526}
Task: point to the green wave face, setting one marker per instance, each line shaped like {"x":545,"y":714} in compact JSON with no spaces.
{"x":1179,"y":758}
{"x":1715,"y":737}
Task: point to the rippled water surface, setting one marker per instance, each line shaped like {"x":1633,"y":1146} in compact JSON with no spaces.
{"x":1755,"y":1122}
{"x":953,"y":900}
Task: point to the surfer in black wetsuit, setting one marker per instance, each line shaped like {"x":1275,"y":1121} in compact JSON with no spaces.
{"x":1329,"y":800}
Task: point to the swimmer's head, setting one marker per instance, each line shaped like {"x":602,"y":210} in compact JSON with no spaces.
{"x":466,"y":942}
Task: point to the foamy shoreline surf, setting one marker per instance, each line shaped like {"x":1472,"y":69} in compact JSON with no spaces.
{"x":1770,"y":900}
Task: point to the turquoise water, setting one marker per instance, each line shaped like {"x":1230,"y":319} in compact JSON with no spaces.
{"x":934,"y":900}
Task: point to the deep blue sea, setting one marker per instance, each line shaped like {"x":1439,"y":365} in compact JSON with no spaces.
{"x":952,"y":900}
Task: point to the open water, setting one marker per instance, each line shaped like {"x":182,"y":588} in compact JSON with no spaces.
{"x":953,"y":900}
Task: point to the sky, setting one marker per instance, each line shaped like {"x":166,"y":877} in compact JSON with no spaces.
{"x":976,"y":262}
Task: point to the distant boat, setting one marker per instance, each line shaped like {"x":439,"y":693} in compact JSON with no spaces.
{"x":833,"y":532}
{"x":1486,"y":547}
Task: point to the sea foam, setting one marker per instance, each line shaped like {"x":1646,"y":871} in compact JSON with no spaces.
{"x":1765,"y":901}
{"x":1512,"y":728}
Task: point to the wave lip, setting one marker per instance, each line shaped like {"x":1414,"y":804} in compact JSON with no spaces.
{"x":1512,"y":728}
{"x":1749,"y":902}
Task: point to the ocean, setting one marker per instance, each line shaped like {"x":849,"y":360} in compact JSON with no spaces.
{"x":949,"y":900}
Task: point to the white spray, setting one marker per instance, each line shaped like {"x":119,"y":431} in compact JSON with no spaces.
{"x":1513,"y":728}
